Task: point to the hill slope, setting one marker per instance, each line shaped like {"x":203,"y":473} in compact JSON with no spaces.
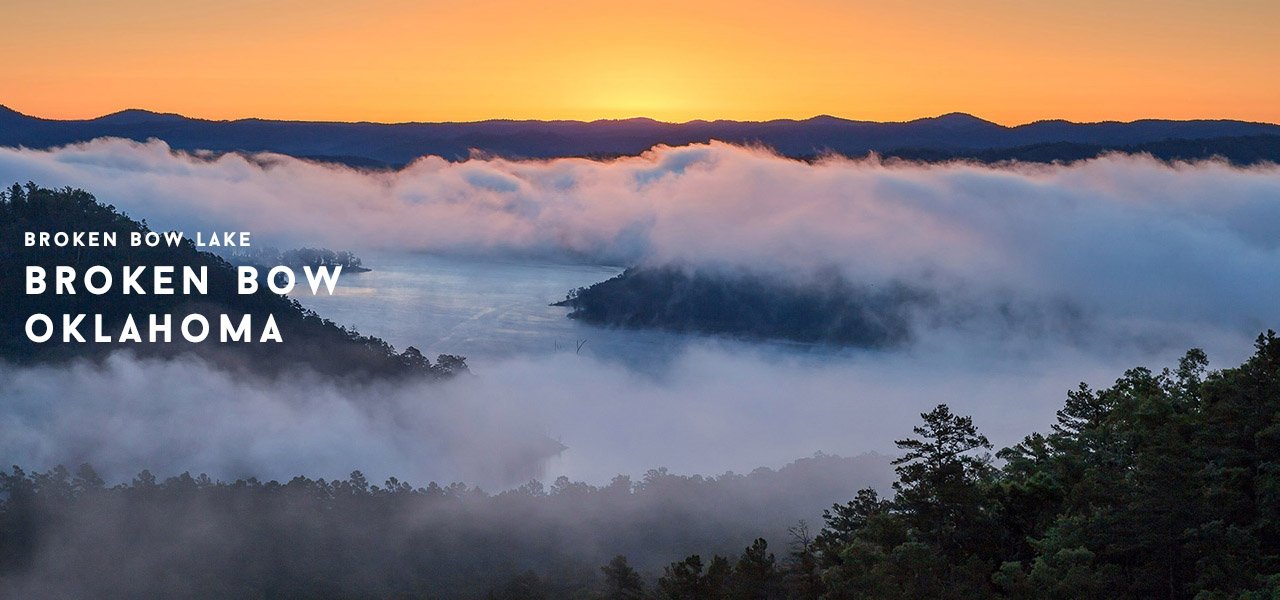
{"x":308,"y":340}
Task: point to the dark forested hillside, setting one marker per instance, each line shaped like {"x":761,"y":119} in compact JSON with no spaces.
{"x":1165,"y":485}
{"x":750,"y":306}
{"x":309,"y":340}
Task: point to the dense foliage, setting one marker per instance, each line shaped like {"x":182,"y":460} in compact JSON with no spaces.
{"x":830,"y":311}
{"x":1162,"y":486}
{"x":1165,"y":485}
{"x":309,"y":340}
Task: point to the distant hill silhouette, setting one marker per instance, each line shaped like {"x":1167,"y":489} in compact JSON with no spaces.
{"x":374,"y":145}
{"x":1243,"y":150}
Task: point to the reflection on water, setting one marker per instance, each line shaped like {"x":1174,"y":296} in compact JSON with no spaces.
{"x":484,"y":310}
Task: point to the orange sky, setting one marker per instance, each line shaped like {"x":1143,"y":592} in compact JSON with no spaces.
{"x":393,"y":60}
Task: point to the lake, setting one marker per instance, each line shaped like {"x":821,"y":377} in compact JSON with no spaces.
{"x":485,"y":310}
{"x":629,"y":400}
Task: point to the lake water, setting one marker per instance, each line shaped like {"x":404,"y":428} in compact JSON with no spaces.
{"x":486,"y":310}
{"x":629,"y":400}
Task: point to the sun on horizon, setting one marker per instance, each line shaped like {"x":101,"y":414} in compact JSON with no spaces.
{"x":399,"y":61}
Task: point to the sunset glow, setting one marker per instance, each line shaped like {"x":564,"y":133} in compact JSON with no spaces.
{"x":1011,"y":62}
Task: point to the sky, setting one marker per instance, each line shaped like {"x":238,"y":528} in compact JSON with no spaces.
{"x":393,"y":60}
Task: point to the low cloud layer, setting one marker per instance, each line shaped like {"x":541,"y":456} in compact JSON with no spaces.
{"x":1128,"y":238}
{"x":170,"y":416}
{"x":719,"y":406}
{"x":1116,"y":262}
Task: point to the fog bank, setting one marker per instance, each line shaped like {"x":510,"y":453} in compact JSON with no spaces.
{"x":1074,"y":272}
{"x":1129,"y":240}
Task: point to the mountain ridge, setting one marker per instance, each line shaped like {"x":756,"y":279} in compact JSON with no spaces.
{"x":396,"y":144}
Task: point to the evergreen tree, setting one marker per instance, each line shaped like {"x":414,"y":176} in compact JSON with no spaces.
{"x":621,"y":582}
{"x":940,"y":483}
{"x":756,"y":575}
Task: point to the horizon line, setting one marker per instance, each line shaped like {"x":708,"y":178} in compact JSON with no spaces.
{"x":959,"y":114}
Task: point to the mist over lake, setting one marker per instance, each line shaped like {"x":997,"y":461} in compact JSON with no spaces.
{"x":630,"y":399}
{"x":1035,"y":278}
{"x":483,"y":309}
